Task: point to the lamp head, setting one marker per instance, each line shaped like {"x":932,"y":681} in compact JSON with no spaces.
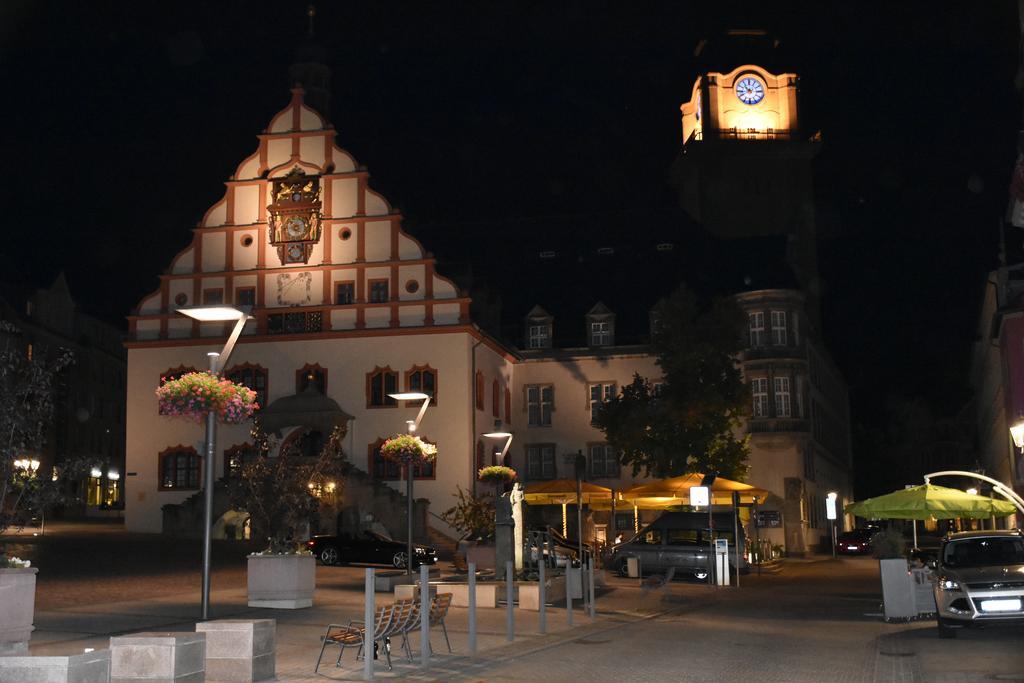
{"x":409,"y":396}
{"x":497,"y":435}
{"x":210,"y":314}
{"x":1017,"y":432}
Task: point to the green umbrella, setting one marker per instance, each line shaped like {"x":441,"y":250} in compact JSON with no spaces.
{"x":930,"y":502}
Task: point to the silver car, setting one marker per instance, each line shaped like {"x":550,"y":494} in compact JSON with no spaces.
{"x":980,"y":580}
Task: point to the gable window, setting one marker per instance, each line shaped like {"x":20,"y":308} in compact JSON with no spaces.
{"x":379,"y":383}
{"x":479,"y":390}
{"x":252,"y":376}
{"x":599,"y":394}
{"x":378,"y":291}
{"x":422,"y":378}
{"x":603,"y":462}
{"x":540,"y":401}
{"x":539,"y":336}
{"x":759,"y":390}
{"x":245,"y":296}
{"x":311,"y":374}
{"x":344,"y":293}
{"x":779,"y":328}
{"x":540,"y":461}
{"x":385,"y":469}
{"x":783,"y":406}
{"x":495,"y":399}
{"x":179,"y":469}
{"x":756,"y":329}
{"x":600,"y":333}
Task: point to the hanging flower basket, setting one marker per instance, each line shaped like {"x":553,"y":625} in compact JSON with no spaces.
{"x":496,"y":474}
{"x":195,"y":394}
{"x":406,"y":449}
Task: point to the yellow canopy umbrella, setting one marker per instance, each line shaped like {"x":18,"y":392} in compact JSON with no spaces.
{"x":563,"y":492}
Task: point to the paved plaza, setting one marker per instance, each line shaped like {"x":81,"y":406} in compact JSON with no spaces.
{"x":816,"y":620}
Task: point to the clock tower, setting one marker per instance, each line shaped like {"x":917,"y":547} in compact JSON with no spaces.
{"x":745,"y":168}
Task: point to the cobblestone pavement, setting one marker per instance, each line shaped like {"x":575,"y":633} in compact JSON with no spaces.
{"x":815,"y":621}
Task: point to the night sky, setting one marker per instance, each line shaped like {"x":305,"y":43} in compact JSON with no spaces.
{"x":523,"y":126}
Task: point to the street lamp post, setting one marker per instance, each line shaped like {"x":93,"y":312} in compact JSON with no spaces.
{"x":411,"y":427}
{"x":217,"y":363}
{"x":501,"y":461}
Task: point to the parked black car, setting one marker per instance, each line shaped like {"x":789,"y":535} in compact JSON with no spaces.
{"x":855,"y":541}
{"x":368,"y":548}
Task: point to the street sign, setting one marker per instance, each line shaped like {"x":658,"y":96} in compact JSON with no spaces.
{"x":830,"y":507}
{"x":700,"y":496}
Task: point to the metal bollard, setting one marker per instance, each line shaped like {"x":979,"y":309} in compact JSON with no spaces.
{"x":542,"y":594}
{"x":472,"y":608}
{"x":368,"y":613}
{"x":424,"y":615}
{"x":510,"y":617}
{"x":568,"y":596}
{"x":590,"y":577}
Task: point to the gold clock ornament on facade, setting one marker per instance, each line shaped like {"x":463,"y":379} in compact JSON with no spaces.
{"x":294,"y":216}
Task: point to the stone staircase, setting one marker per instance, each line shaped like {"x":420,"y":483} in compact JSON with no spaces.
{"x":445,"y":544}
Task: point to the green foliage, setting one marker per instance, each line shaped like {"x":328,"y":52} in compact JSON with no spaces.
{"x":473,"y":516}
{"x":278,"y":491}
{"x":27,"y":392}
{"x":688,"y":424}
{"x":889,"y":544}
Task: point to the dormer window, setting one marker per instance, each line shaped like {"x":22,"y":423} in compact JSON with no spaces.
{"x":600,"y":326}
{"x":538,"y":328}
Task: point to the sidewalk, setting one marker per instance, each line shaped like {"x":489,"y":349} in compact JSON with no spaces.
{"x":70,"y":630}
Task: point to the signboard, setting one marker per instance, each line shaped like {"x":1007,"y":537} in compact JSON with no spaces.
{"x":830,"y":507}
{"x":721,"y":546}
{"x":699,"y":496}
{"x":768,"y":519}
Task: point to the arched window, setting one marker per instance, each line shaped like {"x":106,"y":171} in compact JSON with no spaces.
{"x":237,"y":457}
{"x":174,"y":373}
{"x":179,"y":469}
{"x":311,"y":374}
{"x":508,"y":406}
{"x":252,"y":376}
{"x":479,"y":390}
{"x":422,"y":378}
{"x":495,"y":399}
{"x":379,"y":383}
{"x":388,"y":470}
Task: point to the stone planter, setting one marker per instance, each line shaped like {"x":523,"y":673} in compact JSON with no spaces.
{"x":281,"y":581}
{"x":17,"y":609}
{"x":897,"y":589}
{"x":482,"y":554}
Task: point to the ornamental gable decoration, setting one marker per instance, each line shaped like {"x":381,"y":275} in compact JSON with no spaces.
{"x":294,"y":216}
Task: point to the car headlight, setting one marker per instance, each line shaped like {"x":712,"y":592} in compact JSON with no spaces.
{"x":947,"y":584}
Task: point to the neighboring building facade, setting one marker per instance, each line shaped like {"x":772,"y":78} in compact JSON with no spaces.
{"x":343,"y":297}
{"x":89,"y":420}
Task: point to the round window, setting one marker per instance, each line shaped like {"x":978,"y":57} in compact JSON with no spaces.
{"x":412,"y":286}
{"x":181,"y":299}
{"x":345,"y":233}
{"x":246,"y":240}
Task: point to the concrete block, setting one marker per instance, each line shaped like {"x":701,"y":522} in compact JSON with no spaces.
{"x":529,"y":593}
{"x":486,"y":592}
{"x":240,"y":649}
{"x":90,"y":667}
{"x":17,"y":609}
{"x":158,"y":657}
{"x":385,"y":581}
{"x":281,"y":581}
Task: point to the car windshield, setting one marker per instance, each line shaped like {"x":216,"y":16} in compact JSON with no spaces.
{"x":980,"y":552}
{"x":856,"y":535}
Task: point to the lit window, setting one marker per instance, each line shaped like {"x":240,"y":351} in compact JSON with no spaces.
{"x":759,"y":389}
{"x":603,"y":462}
{"x":380,"y":383}
{"x":311,"y":374}
{"x":779,"y":328}
{"x":540,"y":461}
{"x":599,"y":394}
{"x":600,"y":333}
{"x":783,"y":407}
{"x":237,"y":457}
{"x":539,"y":336}
{"x":540,"y":401}
{"x":756,"y":329}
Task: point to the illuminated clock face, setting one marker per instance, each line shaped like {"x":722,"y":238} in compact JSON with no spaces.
{"x":295,"y":253}
{"x":295,"y":227}
{"x":750,"y":90}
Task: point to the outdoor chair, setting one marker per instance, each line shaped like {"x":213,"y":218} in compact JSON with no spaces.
{"x":438,"y":611}
{"x":354,"y":634}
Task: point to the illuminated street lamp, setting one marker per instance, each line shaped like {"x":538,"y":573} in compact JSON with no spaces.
{"x":508,"y":442}
{"x":830,"y":513}
{"x":206,"y":314}
{"x":411,"y":426}
{"x":28,"y":467}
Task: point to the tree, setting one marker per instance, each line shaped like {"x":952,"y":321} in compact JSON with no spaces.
{"x":27,"y":388}
{"x":687,"y":423}
{"x":280,"y":492}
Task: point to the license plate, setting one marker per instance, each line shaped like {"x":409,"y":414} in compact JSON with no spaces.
{"x":1011,"y":605}
{"x":852,"y":547}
